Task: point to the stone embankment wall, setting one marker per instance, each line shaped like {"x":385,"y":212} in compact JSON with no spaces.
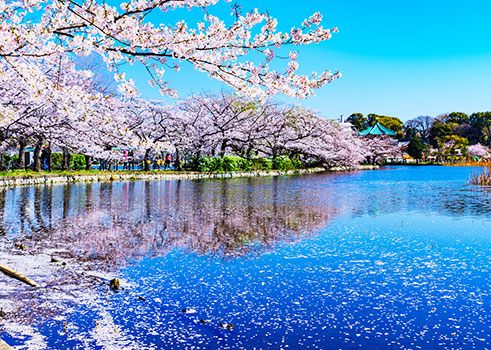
{"x":28,"y":180}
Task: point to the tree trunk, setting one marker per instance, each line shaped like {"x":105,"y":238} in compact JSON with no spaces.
{"x":21,"y":162}
{"x":249,"y":151}
{"x":178,"y":160}
{"x":37,"y":156}
{"x":196,"y":160}
{"x":50,"y":158}
{"x":223,"y":148}
{"x":274,"y":157}
{"x":2,"y":162}
{"x":65,"y":165}
{"x":88,"y":162}
{"x":145,"y":160}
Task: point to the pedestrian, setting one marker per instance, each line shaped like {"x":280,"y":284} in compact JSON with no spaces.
{"x":167,"y":161}
{"x":125,"y":160}
{"x":44,"y":158}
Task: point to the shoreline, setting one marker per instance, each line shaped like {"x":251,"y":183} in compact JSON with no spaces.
{"x":107,"y":176}
{"x":4,"y":345}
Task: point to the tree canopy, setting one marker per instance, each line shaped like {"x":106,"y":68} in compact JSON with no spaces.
{"x":34,"y":34}
{"x":358,"y":121}
{"x":392,"y":123}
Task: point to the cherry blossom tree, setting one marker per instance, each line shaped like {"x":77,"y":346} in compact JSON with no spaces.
{"x":379,"y":146}
{"x":228,"y":124}
{"x":148,"y":121}
{"x":61,"y":108}
{"x":45,"y":29}
{"x":47,"y":102}
{"x":300,"y":132}
{"x":479,"y":150}
{"x":226,"y":121}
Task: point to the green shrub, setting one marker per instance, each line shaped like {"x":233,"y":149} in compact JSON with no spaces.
{"x":221,"y":164}
{"x":285,"y":163}
{"x":10,"y":160}
{"x":244,"y":164}
{"x":77,"y":161}
{"x":207,"y":164}
{"x":262,"y":164}
{"x":229,"y":163}
{"x":56,"y":159}
{"x":235,"y":163}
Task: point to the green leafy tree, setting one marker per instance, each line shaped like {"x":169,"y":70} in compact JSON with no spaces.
{"x":481,"y":122}
{"x":440,"y":130}
{"x":410,"y":132}
{"x":358,"y":121}
{"x":392,"y":123}
{"x":457,"y":117}
{"x":451,"y":143}
{"x":468,"y":131}
{"x":416,"y":148}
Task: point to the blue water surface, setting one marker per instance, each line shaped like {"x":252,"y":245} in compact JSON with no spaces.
{"x":396,"y":258}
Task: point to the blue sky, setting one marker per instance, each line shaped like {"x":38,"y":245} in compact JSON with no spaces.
{"x":398,"y":58}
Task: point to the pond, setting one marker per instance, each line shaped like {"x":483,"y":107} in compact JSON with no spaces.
{"x":391,"y":258}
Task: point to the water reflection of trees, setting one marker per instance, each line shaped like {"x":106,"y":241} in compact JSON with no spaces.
{"x":111,"y":223}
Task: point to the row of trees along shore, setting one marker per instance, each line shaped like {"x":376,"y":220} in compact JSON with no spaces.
{"x":49,"y":101}
{"x":261,"y":135}
{"x":452,"y":135}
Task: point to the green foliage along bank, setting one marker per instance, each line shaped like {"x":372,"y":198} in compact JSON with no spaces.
{"x":236,"y":163}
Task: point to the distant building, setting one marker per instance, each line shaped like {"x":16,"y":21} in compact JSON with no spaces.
{"x":344,"y":124}
{"x":377,"y":129}
{"x":28,"y":155}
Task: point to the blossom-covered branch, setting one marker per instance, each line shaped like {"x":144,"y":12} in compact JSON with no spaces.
{"x":38,"y":29}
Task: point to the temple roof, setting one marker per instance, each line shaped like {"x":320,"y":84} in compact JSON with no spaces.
{"x":377,"y":129}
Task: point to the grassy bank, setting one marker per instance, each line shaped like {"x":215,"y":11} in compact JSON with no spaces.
{"x":31,"y":173}
{"x":412,"y":163}
{"x":476,"y":164}
{"x":109,"y":176}
{"x":203,"y":164}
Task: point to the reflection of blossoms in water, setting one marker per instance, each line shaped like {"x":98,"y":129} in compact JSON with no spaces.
{"x":104,"y":238}
{"x":105,"y":227}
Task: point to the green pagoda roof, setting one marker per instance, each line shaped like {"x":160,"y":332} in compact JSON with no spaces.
{"x":377,"y":129}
